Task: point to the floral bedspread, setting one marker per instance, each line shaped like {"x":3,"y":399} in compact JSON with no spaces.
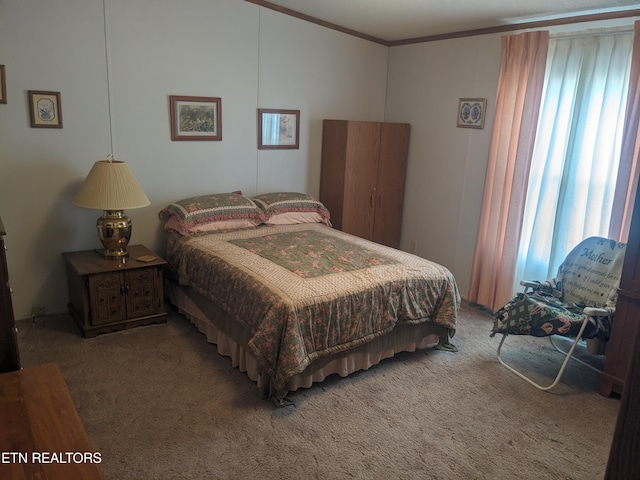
{"x":305,"y":291}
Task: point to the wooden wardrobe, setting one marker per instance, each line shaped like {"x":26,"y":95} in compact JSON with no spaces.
{"x":626,"y":321}
{"x":363,"y":175}
{"x":622,"y":365}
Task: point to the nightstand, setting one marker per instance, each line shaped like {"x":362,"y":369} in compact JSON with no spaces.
{"x":108,"y":295}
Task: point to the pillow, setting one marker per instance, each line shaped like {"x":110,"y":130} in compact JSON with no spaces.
{"x":205,"y":213}
{"x":288,"y":208}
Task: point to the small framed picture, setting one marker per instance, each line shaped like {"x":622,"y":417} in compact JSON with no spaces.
{"x":471,"y":112}
{"x":278,"y":129}
{"x":3,"y":85}
{"x":45,"y":109}
{"x":195,"y":118}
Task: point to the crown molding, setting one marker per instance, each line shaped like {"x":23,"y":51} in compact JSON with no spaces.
{"x":447,"y":36}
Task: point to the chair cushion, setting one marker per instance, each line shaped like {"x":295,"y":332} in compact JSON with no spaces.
{"x":541,"y":315}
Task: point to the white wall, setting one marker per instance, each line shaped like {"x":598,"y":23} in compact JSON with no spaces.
{"x":249,"y":56}
{"x":447,"y":164}
{"x":328,"y":75}
{"x":51,"y":46}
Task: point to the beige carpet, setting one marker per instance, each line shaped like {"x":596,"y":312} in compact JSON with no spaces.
{"x":159,"y":403}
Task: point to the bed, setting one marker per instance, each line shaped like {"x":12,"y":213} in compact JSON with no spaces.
{"x":292,"y":300}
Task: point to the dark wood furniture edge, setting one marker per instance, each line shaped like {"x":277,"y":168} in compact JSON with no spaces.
{"x":624,"y":461}
{"x":9,"y":350}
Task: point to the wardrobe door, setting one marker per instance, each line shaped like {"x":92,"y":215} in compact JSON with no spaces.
{"x":333,"y":168}
{"x":392,"y":166}
{"x":360,"y":178}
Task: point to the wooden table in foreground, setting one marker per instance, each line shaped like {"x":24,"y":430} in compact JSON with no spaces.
{"x":41,"y":435}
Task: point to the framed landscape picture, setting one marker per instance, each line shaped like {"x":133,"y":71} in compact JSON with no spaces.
{"x":195,"y":118}
{"x":278,"y":129}
{"x":45,"y":109}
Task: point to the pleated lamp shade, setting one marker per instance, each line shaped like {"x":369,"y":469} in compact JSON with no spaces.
{"x":111,"y":187}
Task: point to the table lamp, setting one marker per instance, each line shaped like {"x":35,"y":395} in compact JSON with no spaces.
{"x":111,"y":187}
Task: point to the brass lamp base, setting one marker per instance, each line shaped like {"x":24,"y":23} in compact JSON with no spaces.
{"x":114,"y":230}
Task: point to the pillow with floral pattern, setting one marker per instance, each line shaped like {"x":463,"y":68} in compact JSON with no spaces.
{"x":205,"y":213}
{"x":288,"y":208}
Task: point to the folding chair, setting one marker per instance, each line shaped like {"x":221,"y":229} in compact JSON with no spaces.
{"x":579,"y":302}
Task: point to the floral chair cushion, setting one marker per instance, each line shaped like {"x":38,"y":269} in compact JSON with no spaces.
{"x":541,"y":315}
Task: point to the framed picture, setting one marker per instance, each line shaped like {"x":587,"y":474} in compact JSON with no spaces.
{"x":195,"y":118}
{"x":3,"y":85}
{"x":471,"y":112}
{"x":278,"y":129}
{"x":45,"y":109}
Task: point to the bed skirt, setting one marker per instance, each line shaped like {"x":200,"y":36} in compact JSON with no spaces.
{"x":230,"y":339}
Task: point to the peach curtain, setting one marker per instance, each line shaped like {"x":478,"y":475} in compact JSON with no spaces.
{"x":628,"y":170}
{"x":520,"y":84}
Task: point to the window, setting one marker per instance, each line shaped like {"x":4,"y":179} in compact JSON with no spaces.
{"x":577,"y":150}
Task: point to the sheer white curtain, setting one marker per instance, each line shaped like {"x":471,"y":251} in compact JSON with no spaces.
{"x":575,"y":162}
